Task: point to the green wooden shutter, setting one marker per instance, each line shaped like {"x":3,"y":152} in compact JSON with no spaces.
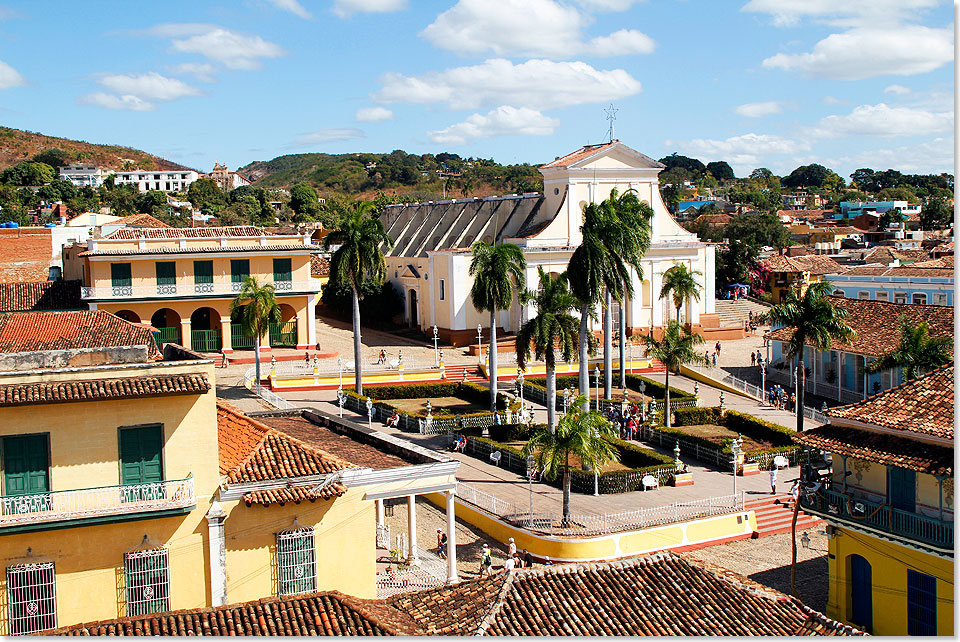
{"x":120,"y":275}
{"x":239,"y":270}
{"x":166,"y":273}
{"x":902,"y":488}
{"x":26,"y":460}
{"x":203,"y":271}
{"x":140,"y":455}
{"x":282,"y":270}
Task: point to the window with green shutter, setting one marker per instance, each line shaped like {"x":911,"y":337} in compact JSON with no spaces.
{"x":147,"y":581}
{"x":296,"y":562}
{"x":120,"y":279}
{"x":26,"y":476}
{"x":203,"y":271}
{"x":141,"y":462}
{"x":282,"y":274}
{"x":166,"y":277}
{"x":239,"y":271}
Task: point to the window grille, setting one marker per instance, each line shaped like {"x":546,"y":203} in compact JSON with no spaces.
{"x":921,"y":603}
{"x":32,"y":597}
{"x":147,"y":578}
{"x":296,"y":564}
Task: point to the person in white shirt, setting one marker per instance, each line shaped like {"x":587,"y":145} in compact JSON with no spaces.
{"x":509,"y":564}
{"x":512,"y":548}
{"x":773,"y":479}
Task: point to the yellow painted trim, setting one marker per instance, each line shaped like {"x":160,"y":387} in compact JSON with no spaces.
{"x":279,"y":382}
{"x":562,"y":369}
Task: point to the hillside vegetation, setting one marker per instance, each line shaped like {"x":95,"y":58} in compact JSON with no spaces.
{"x":17,"y":146}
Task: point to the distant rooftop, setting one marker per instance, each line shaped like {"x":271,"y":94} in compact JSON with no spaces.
{"x":186,"y":232}
{"x":38,"y":331}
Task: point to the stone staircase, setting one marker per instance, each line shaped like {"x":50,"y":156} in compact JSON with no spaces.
{"x":733,"y":313}
{"x":454,"y":374}
{"x":775,"y":514}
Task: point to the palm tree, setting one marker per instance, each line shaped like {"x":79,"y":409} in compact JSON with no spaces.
{"x":553,"y":328}
{"x":256,"y":308}
{"x":815,"y":322}
{"x":676,"y":348}
{"x":359,"y":259}
{"x":583,"y":434}
{"x":594,"y":268}
{"x":497,"y":271}
{"x":917,"y":352}
{"x":680,"y":281}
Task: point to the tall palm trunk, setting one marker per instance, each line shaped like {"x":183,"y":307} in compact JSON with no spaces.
{"x":666,"y":397}
{"x":584,"y":381}
{"x":566,"y":494}
{"x":357,"y":362}
{"x":800,"y":394}
{"x":492,"y":351}
{"x":607,"y":346}
{"x":552,"y":397}
{"x":256,"y":361}
{"x":623,"y":344}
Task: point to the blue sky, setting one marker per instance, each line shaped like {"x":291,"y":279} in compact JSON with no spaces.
{"x":758,"y":83}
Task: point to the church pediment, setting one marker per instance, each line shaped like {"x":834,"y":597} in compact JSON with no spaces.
{"x":410,"y":272}
{"x":613,"y":155}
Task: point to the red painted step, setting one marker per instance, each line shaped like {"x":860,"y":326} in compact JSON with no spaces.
{"x":775,"y":515}
{"x":454,"y":374}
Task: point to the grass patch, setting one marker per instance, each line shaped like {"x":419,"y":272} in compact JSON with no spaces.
{"x":720,"y":435}
{"x":449,"y":405}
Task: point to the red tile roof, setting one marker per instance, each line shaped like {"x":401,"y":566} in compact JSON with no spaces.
{"x":27,"y":254}
{"x":328,"y":441}
{"x":40,"y":295}
{"x":584,"y":152}
{"x":921,"y":406}
{"x":319,"y":265}
{"x":251,"y":452}
{"x":876,"y":323}
{"x":661,"y":594}
{"x":278,"y":247}
{"x":881,"y":448}
{"x":37,"y":393}
{"x":65,"y":330}
{"x":141,"y":220}
{"x":168,"y":232}
{"x":812,"y":263}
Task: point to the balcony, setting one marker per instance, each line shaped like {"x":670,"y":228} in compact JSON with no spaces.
{"x":840,"y":507}
{"x":174,"y":291}
{"x":23,"y":512}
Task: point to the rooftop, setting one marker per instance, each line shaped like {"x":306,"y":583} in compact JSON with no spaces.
{"x":142,"y":220}
{"x":167,"y":232}
{"x":37,"y":331}
{"x":812,"y":263}
{"x":27,"y":253}
{"x":661,"y":594}
{"x":204,"y":249}
{"x":328,"y":441}
{"x":47,"y":392}
{"x":876,"y":323}
{"x":881,"y":448}
{"x":40,"y":295}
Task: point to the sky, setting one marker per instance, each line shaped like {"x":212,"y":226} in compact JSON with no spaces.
{"x":756,"y":83}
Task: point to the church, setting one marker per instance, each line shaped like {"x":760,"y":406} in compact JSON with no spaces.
{"x":430,"y":260}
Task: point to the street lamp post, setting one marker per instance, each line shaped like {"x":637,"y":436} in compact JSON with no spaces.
{"x":566,"y":399}
{"x":596,"y":373}
{"x":369,"y":413}
{"x":520,"y":385}
{"x":531,"y":471}
{"x":735,"y":452}
{"x":436,"y":352}
{"x":341,"y":399}
{"x":479,"y":344}
{"x":643,"y":391}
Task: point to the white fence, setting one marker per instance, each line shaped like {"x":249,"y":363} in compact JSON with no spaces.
{"x":327,"y":367}
{"x":604,"y":524}
{"x":174,"y":290}
{"x":275,"y":400}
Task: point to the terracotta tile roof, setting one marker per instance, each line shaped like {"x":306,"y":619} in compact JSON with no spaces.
{"x":923,"y":406}
{"x":26,"y":253}
{"x":328,"y":441}
{"x":937,"y":269}
{"x":943,"y":248}
{"x":329,"y":613}
{"x":880,"y":448}
{"x":278,"y":247}
{"x":142,"y":220}
{"x":887,"y":255}
{"x":580,"y":154}
{"x":64,"y":330}
{"x":876,"y":323}
{"x":46,"y":392}
{"x":319,"y":265}
{"x":251,"y":452}
{"x":167,"y":232}
{"x":661,"y":594}
{"x":40,"y":295}
{"x":812,"y":263}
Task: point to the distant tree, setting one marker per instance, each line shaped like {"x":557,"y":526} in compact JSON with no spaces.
{"x":736,"y":261}
{"x":680,"y":283}
{"x":813,"y":175}
{"x":897,"y":194}
{"x":28,"y":174}
{"x":304,"y":202}
{"x":864,"y":179}
{"x":153,"y":202}
{"x":53,"y":157}
{"x":721,"y":170}
{"x":854,"y":196}
{"x":677,"y":347}
{"x":205,"y":195}
{"x":935,"y":215}
{"x":761,"y":173}
{"x":758,"y":230}
{"x":685,"y":162}
{"x":256,"y":306}
{"x":58,"y":190}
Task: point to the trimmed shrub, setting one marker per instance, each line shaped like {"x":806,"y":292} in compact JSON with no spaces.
{"x":653,"y":388}
{"x":467,"y":390}
{"x":695,"y":416}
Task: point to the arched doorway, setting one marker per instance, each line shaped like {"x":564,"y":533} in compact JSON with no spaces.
{"x":128,"y":315}
{"x":860,"y":592}
{"x":167,"y":323}
{"x":239,"y":340}
{"x":205,"y":330}
{"x":414,"y":320}
{"x":284,"y":333}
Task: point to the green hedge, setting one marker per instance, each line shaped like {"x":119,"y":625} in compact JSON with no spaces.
{"x":466,"y":390}
{"x":744,"y":424}
{"x":653,"y":389}
{"x":695,"y":416}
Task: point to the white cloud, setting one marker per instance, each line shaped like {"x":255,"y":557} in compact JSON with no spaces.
{"x":881,"y":120}
{"x":109,"y":101}
{"x":10,"y":77}
{"x":867,"y":52}
{"x":178,"y":29}
{"x":200,"y":70}
{"x":544,"y":28}
{"x":931,"y":157}
{"x":849,"y":13}
{"x":292,"y":6}
{"x":502,"y":121}
{"x":232,"y":49}
{"x":759,"y":110}
{"x":373,"y":114}
{"x":538,"y":84}
{"x":346,"y":8}
{"x":896,"y":89}
{"x":607,"y":5}
{"x":329,"y":135}
{"x":743,"y":153}
{"x":149,"y":86}
{"x":833,"y":100}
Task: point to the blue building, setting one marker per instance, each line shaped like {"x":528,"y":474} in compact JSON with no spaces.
{"x":917,"y":284}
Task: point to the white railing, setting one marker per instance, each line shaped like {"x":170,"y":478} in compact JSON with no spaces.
{"x":327,"y":367}
{"x":185,"y":288}
{"x":430,"y":574}
{"x":602,"y":524}
{"x":62,"y":505}
{"x":275,"y":400}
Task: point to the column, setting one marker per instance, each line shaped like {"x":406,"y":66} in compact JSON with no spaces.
{"x":225,"y":335}
{"x":185,"y":333}
{"x":451,"y":540}
{"x":218,"y":556}
{"x":412,"y":558}
{"x":656,"y":304}
{"x":379,"y":504}
{"x":311,"y":326}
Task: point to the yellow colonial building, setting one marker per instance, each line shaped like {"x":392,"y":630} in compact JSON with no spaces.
{"x":889,"y":506}
{"x":181,"y":282}
{"x":128,"y":490}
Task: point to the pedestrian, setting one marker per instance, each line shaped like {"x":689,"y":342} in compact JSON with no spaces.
{"x":717,"y":347}
{"x":773,"y":478}
{"x":509,"y":564}
{"x":715,"y":359}
{"x":518,"y":561}
{"x":486,"y":561}
{"x":792,"y":403}
{"x":706,"y":357}
{"x":546,"y":561}
{"x":753,"y":359}
{"x":759,"y":358}
{"x":795,"y":491}
{"x":511,"y":548}
{"x":306,"y":357}
{"x":527,"y":559}
{"x":441,"y":544}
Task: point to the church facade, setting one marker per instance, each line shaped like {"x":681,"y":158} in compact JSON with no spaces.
{"x":429,"y":263}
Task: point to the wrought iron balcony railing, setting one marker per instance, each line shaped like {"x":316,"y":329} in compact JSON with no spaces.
{"x":154,"y":291}
{"x":932,"y":531}
{"x":84,"y":503}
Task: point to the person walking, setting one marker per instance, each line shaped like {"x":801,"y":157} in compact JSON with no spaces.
{"x":511,"y":548}
{"x":527,"y":559}
{"x":753,"y":359}
{"x":509,"y":564}
{"x":441,"y":544}
{"x":773,"y":478}
{"x":715,"y":358}
{"x":717,"y":347}
{"x":486,"y":561}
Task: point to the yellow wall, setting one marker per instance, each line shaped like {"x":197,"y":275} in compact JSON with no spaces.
{"x":889,"y":563}
{"x":143,"y":271}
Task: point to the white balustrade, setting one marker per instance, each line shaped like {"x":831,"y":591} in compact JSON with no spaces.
{"x":172,"y":291}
